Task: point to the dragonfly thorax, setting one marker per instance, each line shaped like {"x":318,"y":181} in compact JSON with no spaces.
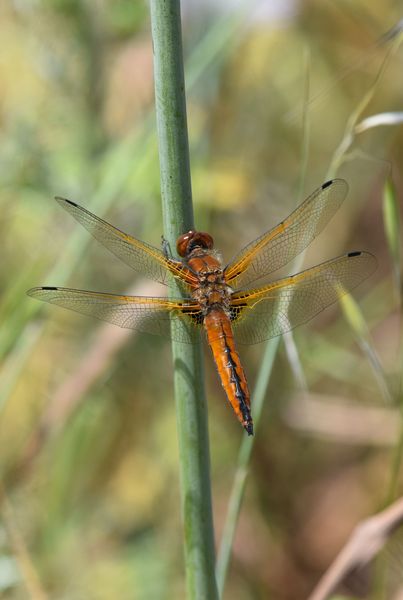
{"x":211,"y":289}
{"x":213,"y":295}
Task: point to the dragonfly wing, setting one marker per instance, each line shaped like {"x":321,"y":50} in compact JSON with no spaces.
{"x":280,"y":245}
{"x":142,"y":257}
{"x":278,"y":307}
{"x":150,"y":315}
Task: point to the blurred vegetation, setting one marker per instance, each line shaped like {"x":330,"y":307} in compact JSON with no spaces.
{"x":88,"y":441}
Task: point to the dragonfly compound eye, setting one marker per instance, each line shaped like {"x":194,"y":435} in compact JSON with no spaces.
{"x":190,"y":240}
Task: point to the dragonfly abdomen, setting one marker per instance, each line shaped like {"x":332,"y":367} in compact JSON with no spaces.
{"x":221,"y":341}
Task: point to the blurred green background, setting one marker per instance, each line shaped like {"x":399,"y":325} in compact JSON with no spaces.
{"x":88,"y":450}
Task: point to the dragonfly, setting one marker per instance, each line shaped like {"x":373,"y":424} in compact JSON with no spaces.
{"x":225,"y":301}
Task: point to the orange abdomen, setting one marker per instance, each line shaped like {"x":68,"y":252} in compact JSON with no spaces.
{"x":221,"y":341}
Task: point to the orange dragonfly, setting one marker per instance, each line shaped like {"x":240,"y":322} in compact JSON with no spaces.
{"x":219,"y":299}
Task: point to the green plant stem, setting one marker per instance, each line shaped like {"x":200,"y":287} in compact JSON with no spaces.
{"x":188,"y":378}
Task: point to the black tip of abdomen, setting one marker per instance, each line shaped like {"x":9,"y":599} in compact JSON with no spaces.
{"x":249,"y":427}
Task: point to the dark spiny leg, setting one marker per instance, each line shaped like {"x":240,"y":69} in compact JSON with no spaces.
{"x":166,"y":248}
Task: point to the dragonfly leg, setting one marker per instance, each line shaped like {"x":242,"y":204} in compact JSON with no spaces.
{"x":166,"y":248}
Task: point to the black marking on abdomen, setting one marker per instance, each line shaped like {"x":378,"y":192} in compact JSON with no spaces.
{"x":239,"y":393}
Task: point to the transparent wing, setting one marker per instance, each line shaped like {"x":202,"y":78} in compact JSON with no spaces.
{"x":150,"y":315}
{"x":142,"y":257}
{"x":274,"y":309}
{"x":277,"y":247}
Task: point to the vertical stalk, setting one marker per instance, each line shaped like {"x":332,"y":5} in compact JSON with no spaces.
{"x":188,"y":378}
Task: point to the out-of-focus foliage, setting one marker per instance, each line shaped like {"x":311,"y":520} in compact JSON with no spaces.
{"x":94,"y":514}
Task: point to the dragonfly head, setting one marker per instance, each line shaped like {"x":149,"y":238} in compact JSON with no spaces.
{"x":187,"y":242}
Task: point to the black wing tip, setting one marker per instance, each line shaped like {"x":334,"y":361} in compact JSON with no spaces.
{"x":355,"y":253}
{"x":371,"y":261}
{"x":62,"y":200}
{"x":33,"y":291}
{"x":337,"y":180}
{"x":368,"y":255}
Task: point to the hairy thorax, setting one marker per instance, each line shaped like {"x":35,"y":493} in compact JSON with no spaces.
{"x":211,"y":291}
